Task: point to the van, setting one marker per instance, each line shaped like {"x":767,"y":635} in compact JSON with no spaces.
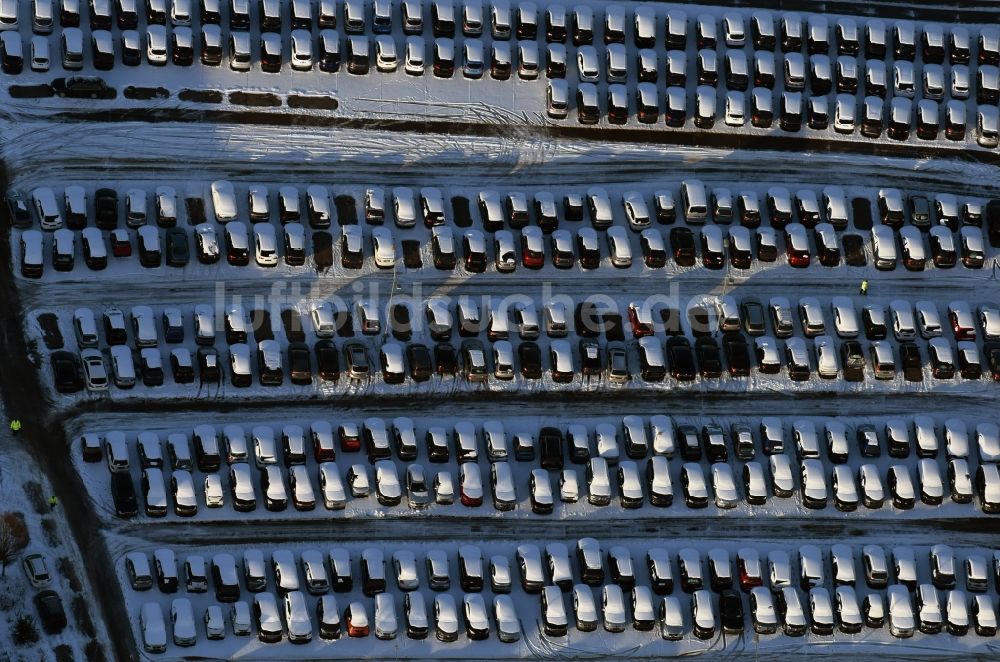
{"x":224,"y":201}
{"x":239,"y":51}
{"x":329,"y":52}
{"x":154,"y":630}
{"x":358,"y":59}
{"x":694,"y":200}
{"x":139,"y":574}
{"x":149,"y":247}
{"x":63,"y":249}
{"x":44,"y":200}
{"x":372,"y":572}
{"x":12,"y":52}
{"x":41,"y":17}
{"x":72,"y":49}
{"x":254,"y":571}
{"x":883,"y":247}
{"x":225,"y":578}
{"x":32,"y":263}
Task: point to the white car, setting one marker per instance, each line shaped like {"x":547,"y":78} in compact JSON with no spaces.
{"x":302,"y":59}
{"x":265,"y":245}
{"x":156,"y":45}
{"x":588,"y":64}
{"x":384,"y":248}
{"x":36,"y":568}
{"x":735,"y":109}
{"x":40,"y":56}
{"x":414,"y":62}
{"x":95,"y":373}
{"x":214,"y":496}
{"x":385,"y":53}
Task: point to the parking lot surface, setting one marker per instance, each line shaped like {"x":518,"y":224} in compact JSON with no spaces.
{"x":452,"y":329}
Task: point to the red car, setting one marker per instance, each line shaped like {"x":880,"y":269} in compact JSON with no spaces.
{"x":532,"y":248}
{"x":121,"y":245}
{"x":323,"y":449}
{"x":642,"y":324}
{"x":350,"y":438}
{"x":963,"y":328}
{"x":356,"y":619}
{"x":797,"y":246}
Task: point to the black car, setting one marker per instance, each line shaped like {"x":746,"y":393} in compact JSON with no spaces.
{"x":681,"y":359}
{"x":688,"y":442}
{"x":654,"y":258}
{"x":731,"y":611}
{"x":737,"y":354}
{"x":909,"y":356}
{"x":714,"y":439}
{"x":550,"y":443}
{"x":67,"y":372}
{"x":968,"y":365}
{"x":150,"y":373}
{"x":445,"y":361}
{"x":178,"y":251}
{"x":123,"y":493}
{"x":992,"y":352}
{"x":752,"y":312}
{"x":106,"y":208}
{"x":327,"y":360}
{"x":299,"y":364}
{"x":530,"y":357}
{"x":590,"y":358}
{"x":709,"y":357}
{"x":181,"y":368}
{"x":419,"y":359}
{"x":852,"y":358}
{"x":50,"y":611}
{"x":208,"y":365}
{"x":874,"y":330}
{"x":682,"y":241}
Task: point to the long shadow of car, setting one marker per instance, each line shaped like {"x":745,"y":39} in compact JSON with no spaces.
{"x":83,"y":87}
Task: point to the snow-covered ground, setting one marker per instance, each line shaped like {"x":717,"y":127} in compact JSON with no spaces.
{"x":49,"y":535}
{"x":55,"y":142}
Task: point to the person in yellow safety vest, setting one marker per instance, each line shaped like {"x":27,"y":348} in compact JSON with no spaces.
{"x":15,"y":426}
{"x":53,"y":502}
{"x":864,"y":287}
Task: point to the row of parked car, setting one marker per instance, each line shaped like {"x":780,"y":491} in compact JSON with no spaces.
{"x":719,"y":330}
{"x":635,"y":480}
{"x":555,"y":25}
{"x":660,"y":435}
{"x":899,"y":119}
{"x":600,"y":483}
{"x":764,"y":589}
{"x":691,"y":202}
{"x":438,"y":317}
{"x":587,"y":561}
{"x":712,"y":247}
